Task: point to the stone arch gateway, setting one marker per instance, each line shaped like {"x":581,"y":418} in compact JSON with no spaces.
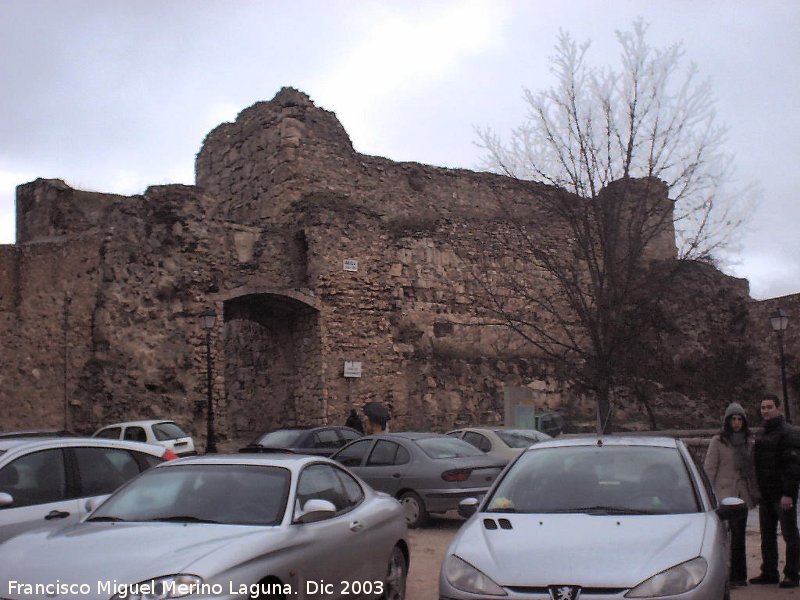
{"x":272,"y":362}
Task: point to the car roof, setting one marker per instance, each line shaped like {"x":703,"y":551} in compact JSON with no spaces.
{"x":65,"y":442}
{"x":29,"y":433}
{"x":609,"y":440}
{"x":408,"y":435}
{"x":306,"y":428}
{"x":287,"y":460}
{"x":496,"y":428}
{"x":141,"y":423}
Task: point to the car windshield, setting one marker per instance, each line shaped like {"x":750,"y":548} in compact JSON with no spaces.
{"x":168,"y":431}
{"x":447,"y":447}
{"x":281,"y":438}
{"x":597,"y":479}
{"x":519,"y":438}
{"x":219,"y":493}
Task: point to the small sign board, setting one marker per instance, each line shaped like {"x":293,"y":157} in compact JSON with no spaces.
{"x":352,"y":368}
{"x":350,"y":264}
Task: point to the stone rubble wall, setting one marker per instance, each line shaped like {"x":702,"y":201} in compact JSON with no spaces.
{"x":282,"y":200}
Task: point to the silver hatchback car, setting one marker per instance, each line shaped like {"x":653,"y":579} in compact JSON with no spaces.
{"x":606,"y":518}
{"x":46,"y":482}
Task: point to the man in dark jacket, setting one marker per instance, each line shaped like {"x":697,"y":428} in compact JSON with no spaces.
{"x":777,"y":461}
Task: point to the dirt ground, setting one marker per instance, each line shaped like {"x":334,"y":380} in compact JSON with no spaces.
{"x":428,"y":547}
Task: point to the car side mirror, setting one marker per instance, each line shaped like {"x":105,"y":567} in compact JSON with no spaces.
{"x":90,"y":505}
{"x":732,"y":508}
{"x":6,"y":499}
{"x":468,"y":507}
{"x":315,"y":510}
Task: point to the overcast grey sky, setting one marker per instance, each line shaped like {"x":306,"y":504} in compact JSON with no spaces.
{"x":116,"y":95}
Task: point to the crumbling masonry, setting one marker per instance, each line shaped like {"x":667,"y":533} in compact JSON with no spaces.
{"x":312,"y":255}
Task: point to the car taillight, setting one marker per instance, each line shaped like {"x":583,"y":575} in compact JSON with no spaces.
{"x":456,"y":475}
{"x":169,"y":455}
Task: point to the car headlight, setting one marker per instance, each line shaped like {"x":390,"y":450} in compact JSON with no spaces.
{"x":463,"y":576}
{"x":676,"y":580}
{"x":160,"y":588}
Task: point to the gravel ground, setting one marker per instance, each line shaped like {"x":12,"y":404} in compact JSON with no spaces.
{"x":428,"y":547}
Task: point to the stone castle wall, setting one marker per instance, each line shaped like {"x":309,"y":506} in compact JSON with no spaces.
{"x":100,"y":298}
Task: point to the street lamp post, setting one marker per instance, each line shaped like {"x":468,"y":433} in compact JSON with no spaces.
{"x":209,"y":318}
{"x":779,"y":321}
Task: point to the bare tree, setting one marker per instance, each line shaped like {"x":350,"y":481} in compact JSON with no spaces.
{"x":637,"y":166}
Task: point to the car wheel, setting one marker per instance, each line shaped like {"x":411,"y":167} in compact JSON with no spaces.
{"x":396,"y":573}
{"x":414,"y":509}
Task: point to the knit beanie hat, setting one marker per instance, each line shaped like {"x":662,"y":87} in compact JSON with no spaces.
{"x":734,"y":408}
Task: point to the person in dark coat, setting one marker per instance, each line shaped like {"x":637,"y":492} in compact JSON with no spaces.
{"x":353,"y":421}
{"x":777,"y":461}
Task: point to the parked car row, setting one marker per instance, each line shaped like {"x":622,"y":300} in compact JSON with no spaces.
{"x":566,"y":518}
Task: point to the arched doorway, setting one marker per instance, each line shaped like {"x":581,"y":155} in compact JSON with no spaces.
{"x":273,"y":362}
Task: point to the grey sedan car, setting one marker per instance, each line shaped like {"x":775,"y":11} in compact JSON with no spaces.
{"x":222,"y":527}
{"x":607,"y":518}
{"x":427,"y":472}
{"x":46,"y":482}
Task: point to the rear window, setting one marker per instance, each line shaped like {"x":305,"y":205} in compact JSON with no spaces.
{"x":281,"y":438}
{"x":168,"y":431}
{"x":520,"y":439}
{"x":447,"y":447}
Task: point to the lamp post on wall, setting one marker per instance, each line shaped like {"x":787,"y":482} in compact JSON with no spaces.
{"x":779,"y":321}
{"x":209,"y":318}
{"x":67,"y":301}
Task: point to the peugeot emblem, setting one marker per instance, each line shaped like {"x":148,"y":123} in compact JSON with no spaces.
{"x":564,"y":592}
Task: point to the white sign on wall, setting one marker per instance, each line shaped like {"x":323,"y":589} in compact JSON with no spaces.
{"x":350,"y":264}
{"x":352,"y":368}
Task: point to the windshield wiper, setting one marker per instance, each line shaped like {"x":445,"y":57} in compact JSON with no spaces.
{"x":183,"y":519}
{"x":603,"y":510}
{"x":105,"y":518}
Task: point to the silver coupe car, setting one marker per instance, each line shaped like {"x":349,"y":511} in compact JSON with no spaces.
{"x":222,"y":527}
{"x":606,"y":518}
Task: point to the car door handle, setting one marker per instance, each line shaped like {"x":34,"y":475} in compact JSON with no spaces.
{"x":56,"y":514}
{"x":356,"y":526}
{"x":396,"y":475}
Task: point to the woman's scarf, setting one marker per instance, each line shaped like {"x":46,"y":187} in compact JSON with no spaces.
{"x":738,"y":440}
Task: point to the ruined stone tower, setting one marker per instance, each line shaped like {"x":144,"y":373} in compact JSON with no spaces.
{"x":311,"y":254}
